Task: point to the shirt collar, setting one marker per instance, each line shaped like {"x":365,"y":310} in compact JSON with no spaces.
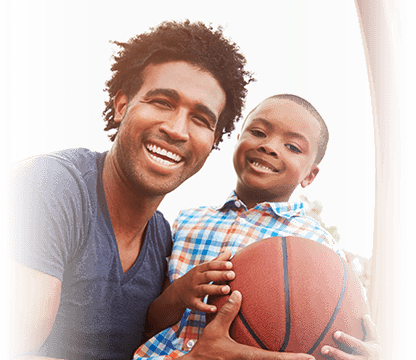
{"x":286,"y":210}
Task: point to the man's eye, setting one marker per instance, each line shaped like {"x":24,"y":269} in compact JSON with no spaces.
{"x":293,"y":148}
{"x":202,"y":120}
{"x":258,"y":133}
{"x":161,"y":102}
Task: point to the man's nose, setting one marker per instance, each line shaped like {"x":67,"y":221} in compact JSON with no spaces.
{"x":176,"y":126}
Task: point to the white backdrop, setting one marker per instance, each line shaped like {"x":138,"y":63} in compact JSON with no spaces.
{"x":59,"y":56}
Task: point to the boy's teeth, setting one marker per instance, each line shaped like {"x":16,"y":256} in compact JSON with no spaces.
{"x":255,"y":163}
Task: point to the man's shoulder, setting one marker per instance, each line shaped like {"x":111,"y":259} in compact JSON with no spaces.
{"x":82,"y":159}
{"x":65,"y":176}
{"x":159,"y":219}
{"x":75,"y":162}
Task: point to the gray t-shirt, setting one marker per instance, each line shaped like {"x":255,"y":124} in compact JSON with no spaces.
{"x":60,"y":226}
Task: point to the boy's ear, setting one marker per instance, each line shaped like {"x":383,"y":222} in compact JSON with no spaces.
{"x":120,"y":105}
{"x":310,"y":177}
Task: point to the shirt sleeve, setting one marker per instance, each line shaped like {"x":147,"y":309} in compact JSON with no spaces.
{"x":49,"y":207}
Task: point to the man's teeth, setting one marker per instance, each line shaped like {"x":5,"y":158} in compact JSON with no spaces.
{"x":255,"y":163}
{"x":157,"y":150}
{"x":161,"y":161}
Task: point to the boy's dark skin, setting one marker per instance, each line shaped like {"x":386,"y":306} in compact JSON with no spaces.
{"x":277,"y":150}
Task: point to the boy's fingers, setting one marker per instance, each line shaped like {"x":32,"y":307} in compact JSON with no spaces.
{"x":336,"y":354}
{"x":206,"y":308}
{"x":225,"y":255}
{"x":369,"y":329}
{"x":216,"y":276}
{"x":355,"y":344}
{"x":214,"y":265}
{"x":204,"y":290}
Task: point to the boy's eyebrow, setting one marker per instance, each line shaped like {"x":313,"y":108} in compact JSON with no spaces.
{"x":174,"y":95}
{"x":297,"y":135}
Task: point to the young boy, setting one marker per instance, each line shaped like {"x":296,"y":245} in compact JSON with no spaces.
{"x":280,"y":146}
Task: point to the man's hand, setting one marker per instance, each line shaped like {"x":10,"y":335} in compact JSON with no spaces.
{"x":368,"y":350}
{"x":216,"y":343}
{"x":191,"y":288}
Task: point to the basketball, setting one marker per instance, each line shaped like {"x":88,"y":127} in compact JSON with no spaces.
{"x":296,"y":294}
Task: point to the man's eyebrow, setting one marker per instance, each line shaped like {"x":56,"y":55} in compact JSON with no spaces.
{"x":173,"y":94}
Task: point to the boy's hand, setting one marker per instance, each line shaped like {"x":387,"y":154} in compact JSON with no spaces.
{"x":368,"y":350}
{"x":191,"y":288}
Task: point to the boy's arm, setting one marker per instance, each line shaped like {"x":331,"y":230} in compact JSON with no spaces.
{"x":35,"y":301}
{"x":188,"y":292}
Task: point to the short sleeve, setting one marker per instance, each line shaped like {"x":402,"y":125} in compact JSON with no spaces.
{"x":49,"y":213}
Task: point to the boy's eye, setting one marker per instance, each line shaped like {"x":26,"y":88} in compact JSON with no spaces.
{"x":293,"y":148}
{"x":258,"y":133}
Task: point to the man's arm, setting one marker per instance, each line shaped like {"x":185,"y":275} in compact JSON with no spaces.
{"x":34,"y":302}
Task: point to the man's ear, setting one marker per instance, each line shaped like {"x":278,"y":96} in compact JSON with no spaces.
{"x":120,"y":105}
{"x":310,"y":177}
{"x":217,"y":136}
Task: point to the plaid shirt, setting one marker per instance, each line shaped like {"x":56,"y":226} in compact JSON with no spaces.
{"x":202,"y":234}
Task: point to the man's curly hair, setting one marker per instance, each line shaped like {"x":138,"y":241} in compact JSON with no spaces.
{"x":195,"y":43}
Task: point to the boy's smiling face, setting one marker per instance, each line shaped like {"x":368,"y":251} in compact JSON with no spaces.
{"x":276,"y":152}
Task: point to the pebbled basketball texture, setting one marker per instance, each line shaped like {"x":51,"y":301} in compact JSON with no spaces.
{"x":296,"y":294}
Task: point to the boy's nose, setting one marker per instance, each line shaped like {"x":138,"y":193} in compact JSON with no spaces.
{"x":267,"y":150}
{"x":176,"y":127}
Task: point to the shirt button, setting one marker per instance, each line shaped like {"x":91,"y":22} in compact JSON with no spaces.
{"x":243,"y":221}
{"x":237,"y":203}
{"x":190,"y":344}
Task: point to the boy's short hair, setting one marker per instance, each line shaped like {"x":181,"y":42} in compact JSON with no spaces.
{"x":195,"y":43}
{"x":323,"y":133}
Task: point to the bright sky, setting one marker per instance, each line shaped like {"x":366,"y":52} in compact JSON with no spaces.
{"x":59,"y":59}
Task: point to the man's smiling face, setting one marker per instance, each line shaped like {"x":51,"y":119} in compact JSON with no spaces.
{"x":276,"y":151}
{"x":168,"y":128}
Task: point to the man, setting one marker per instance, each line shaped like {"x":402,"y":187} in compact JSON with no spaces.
{"x":89,"y":245}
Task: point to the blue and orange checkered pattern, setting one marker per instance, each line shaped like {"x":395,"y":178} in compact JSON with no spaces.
{"x":202,"y":234}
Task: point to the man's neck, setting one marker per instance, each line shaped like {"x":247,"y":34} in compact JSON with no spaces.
{"x":130,"y":210}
